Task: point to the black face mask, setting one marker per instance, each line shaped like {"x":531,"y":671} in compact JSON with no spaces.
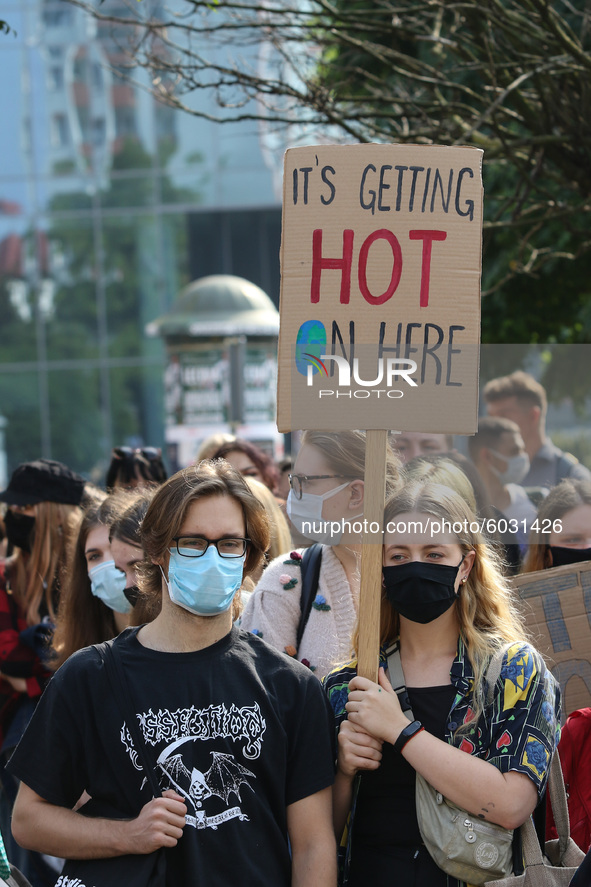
{"x":421,"y":592}
{"x":20,"y":529}
{"x":563,"y":557}
{"x":132,"y":593}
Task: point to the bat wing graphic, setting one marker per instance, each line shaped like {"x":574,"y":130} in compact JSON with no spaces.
{"x":177,"y":773}
{"x":226,"y":775}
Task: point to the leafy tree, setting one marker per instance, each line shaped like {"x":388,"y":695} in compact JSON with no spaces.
{"x":510,"y":76}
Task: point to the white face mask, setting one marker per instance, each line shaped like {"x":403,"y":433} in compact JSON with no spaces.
{"x":107,"y":583}
{"x":308,"y":511}
{"x":517,"y":468}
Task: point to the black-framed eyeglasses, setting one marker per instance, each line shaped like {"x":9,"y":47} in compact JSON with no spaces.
{"x":196,"y":546}
{"x":297,"y":481}
{"x":152,"y":454}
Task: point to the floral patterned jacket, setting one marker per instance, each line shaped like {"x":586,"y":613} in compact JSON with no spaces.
{"x":519,"y":730}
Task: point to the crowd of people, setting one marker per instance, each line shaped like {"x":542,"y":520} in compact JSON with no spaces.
{"x":225,"y":600}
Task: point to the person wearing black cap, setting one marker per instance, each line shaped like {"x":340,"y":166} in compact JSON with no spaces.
{"x":43,"y":499}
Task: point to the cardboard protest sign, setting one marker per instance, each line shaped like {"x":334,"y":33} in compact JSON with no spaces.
{"x":380,"y":309}
{"x":557,"y":607}
{"x":380,"y":288}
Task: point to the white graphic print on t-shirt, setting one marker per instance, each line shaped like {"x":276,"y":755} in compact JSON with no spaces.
{"x":220,"y":774}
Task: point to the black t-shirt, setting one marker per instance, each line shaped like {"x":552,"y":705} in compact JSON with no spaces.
{"x":386,"y":831}
{"x":240,"y":730}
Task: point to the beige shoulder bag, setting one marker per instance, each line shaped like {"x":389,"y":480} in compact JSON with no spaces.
{"x":462,"y":845}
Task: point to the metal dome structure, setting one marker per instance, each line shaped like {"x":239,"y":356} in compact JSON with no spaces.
{"x":221,"y":342}
{"x":218,"y":305}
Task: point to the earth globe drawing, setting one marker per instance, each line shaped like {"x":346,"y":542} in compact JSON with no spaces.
{"x":310,"y":345}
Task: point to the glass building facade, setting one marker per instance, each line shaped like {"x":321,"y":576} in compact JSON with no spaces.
{"x":110,"y":203}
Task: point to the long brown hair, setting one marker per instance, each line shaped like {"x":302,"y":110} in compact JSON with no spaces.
{"x":126,"y":525}
{"x":36,"y":578}
{"x":82,"y":618}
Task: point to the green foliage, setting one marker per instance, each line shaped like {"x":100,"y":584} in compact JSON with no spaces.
{"x":76,"y":431}
{"x":577,"y":443}
{"x":509,"y":76}
{"x":512,"y":78}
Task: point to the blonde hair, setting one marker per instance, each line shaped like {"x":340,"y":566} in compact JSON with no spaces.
{"x":280,"y":541}
{"x":210,"y":445}
{"x":561,"y":499}
{"x":486,"y":608}
{"x":445,"y":472}
{"x":345,"y":453}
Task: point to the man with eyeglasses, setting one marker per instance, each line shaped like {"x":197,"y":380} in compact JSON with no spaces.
{"x":241,"y":737}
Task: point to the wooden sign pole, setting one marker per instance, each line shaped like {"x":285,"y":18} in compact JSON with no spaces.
{"x":370,"y":592}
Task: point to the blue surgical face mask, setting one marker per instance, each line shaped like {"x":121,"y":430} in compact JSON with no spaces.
{"x":107,"y":583}
{"x":204,"y":585}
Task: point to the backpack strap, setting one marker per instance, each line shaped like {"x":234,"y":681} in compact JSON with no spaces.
{"x":398,"y":682}
{"x":310,"y":567}
{"x":111,"y":659}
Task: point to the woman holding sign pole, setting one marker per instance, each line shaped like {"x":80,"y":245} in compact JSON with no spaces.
{"x":446,"y":615}
{"x":325,"y":504}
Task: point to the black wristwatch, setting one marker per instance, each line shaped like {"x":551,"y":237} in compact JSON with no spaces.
{"x":407,"y":734}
